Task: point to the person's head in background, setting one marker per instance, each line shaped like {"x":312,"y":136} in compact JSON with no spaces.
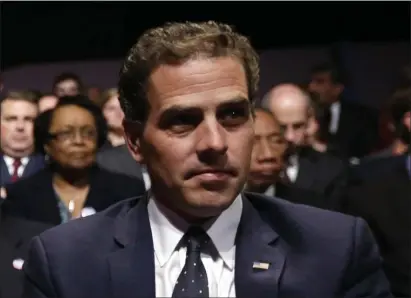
{"x":267,"y":159}
{"x":186,"y":90}
{"x":70,"y":135}
{"x":318,"y":133}
{"x":47,"y":102}
{"x":94,"y":93}
{"x":291,"y":107}
{"x":327,"y":81}
{"x":114,"y":115}
{"x":67,"y":84}
{"x":400,"y":114}
{"x":17,"y":113}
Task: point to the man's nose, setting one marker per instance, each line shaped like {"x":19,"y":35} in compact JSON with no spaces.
{"x":212,"y":138}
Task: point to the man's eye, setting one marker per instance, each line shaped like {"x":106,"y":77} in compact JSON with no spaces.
{"x":234,"y":116}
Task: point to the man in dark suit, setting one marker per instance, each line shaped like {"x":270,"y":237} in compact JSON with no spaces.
{"x":383,"y":200}
{"x":307,"y":169}
{"x":400,"y":122}
{"x":18,"y":111}
{"x":268,"y":165}
{"x":15,"y":235}
{"x":194,"y":234}
{"x":353,"y":127}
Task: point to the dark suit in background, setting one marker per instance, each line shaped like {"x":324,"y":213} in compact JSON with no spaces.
{"x":337,"y":258}
{"x":357,"y":132}
{"x":35,"y":164}
{"x":384,"y":201}
{"x":119,"y":160}
{"x":15,"y":235}
{"x":34,"y":198}
{"x":323,"y":175}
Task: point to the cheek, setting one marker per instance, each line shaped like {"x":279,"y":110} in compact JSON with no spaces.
{"x":4,"y":130}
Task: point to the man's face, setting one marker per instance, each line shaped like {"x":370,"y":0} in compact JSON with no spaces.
{"x":321,"y":84}
{"x":197,"y":140}
{"x":267,"y":159}
{"x":47,"y":102}
{"x":67,"y":87}
{"x":293,"y":118}
{"x":17,"y":118}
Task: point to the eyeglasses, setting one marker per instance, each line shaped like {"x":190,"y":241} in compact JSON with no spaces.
{"x":85,"y":133}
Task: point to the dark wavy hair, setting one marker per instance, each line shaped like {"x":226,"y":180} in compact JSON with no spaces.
{"x":43,"y":121}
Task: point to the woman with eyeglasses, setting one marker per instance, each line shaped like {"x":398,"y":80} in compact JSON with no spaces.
{"x":72,"y":185}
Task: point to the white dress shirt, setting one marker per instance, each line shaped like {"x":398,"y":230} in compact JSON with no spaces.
{"x":168,"y":229}
{"x":292,"y":168}
{"x":9,"y":163}
{"x":335,"y":110}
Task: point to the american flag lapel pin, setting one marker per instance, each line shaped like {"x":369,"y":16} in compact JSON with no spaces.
{"x":261,"y":265}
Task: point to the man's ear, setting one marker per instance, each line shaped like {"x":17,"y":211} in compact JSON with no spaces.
{"x":133,"y":131}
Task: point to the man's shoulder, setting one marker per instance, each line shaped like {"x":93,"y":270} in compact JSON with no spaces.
{"x":285,"y":215}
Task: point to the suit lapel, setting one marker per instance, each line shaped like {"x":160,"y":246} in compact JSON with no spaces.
{"x":5,"y":175}
{"x":257,"y":245}
{"x":34,"y":165}
{"x":305,"y":177}
{"x":132,"y":265}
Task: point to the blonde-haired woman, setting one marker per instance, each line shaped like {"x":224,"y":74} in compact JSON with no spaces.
{"x":114,"y":115}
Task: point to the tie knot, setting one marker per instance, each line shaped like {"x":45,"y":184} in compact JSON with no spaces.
{"x":196,"y":239}
{"x":17,"y":162}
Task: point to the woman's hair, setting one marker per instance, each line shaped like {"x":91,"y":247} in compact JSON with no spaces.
{"x":43,"y":121}
{"x":105,"y":97}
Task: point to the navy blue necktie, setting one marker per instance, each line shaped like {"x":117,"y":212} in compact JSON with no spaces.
{"x":192,"y":281}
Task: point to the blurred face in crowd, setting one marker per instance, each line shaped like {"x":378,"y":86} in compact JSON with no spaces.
{"x":114,"y":114}
{"x":93,"y":93}
{"x":73,"y":138}
{"x":267,"y":158}
{"x":197,"y":140}
{"x":322,"y":84}
{"x":290,"y":106}
{"x":67,"y":87}
{"x":17,"y":117}
{"x":47,"y":102}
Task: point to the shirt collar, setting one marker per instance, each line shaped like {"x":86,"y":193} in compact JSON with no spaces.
{"x":9,"y":160}
{"x":168,"y":229}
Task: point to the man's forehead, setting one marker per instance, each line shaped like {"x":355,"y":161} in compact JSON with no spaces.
{"x":201,"y":104}
{"x":17,"y":106}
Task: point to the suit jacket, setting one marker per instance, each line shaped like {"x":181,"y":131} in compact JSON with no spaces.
{"x":119,"y":160}
{"x":15,"y":235}
{"x":384,"y":202}
{"x":322,"y":174}
{"x":298,"y":195}
{"x":307,"y":258}
{"x":357,"y":133}
{"x":375,"y":168}
{"x":35,"y":199}
{"x":35,"y":164}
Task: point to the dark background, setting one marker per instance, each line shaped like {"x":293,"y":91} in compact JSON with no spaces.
{"x":61,"y":31}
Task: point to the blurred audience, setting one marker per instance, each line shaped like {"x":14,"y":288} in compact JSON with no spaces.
{"x":353,"y":127}
{"x":383,"y":200}
{"x":292,"y":108}
{"x":71,"y":185}
{"x":94,"y":93}
{"x":114,"y":115}
{"x":67,"y":84}
{"x":15,"y":236}
{"x":47,"y":102}
{"x":18,"y":159}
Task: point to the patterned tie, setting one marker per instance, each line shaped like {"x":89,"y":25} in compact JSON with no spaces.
{"x":193,"y":281}
{"x":16,"y":166}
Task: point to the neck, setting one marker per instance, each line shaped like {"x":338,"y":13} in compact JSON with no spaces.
{"x":115,"y":138}
{"x":18,"y":153}
{"x":74,"y":178}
